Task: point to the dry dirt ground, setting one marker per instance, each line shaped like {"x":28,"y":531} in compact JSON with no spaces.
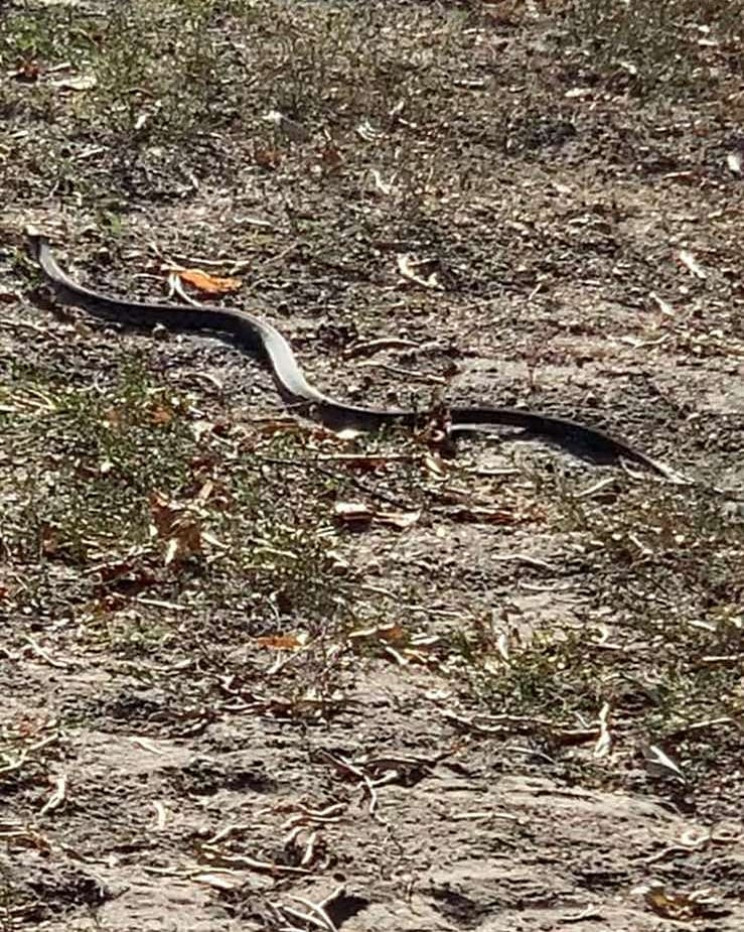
{"x":259,"y":676}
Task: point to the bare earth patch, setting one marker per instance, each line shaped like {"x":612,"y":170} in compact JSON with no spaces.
{"x":258,"y":675}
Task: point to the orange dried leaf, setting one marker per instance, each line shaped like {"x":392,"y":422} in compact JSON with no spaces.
{"x":159,"y":414}
{"x":280,"y":642}
{"x":266,"y":157}
{"x":163,"y":515}
{"x":357,"y":514}
{"x":210,"y":284}
{"x":678,"y":905}
{"x":180,"y":530}
{"x":393,"y":634}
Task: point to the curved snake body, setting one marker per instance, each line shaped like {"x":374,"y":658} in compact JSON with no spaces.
{"x":259,"y":336}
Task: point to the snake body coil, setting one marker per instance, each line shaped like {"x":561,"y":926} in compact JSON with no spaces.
{"x":261,"y":337}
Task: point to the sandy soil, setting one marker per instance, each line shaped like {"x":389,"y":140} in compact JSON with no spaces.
{"x":584,"y":243}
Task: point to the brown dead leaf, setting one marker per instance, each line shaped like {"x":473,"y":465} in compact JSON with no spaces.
{"x":280,"y":641}
{"x":119,"y":581}
{"x":49,"y":539}
{"x":209,"y":284}
{"x":178,"y":528}
{"x":27,"y":71}
{"x":331,"y":158}
{"x":267,"y":157}
{"x":357,"y":515}
{"x":113,"y":417}
{"x":681,"y":906}
{"x":160,"y":414}
{"x":393,"y":634}
{"x":164,"y":515}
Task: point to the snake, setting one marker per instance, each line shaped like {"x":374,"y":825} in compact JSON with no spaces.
{"x":258,"y":336}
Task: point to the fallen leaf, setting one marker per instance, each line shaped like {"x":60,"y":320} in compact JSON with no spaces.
{"x":210,"y":284}
{"x":681,"y":906}
{"x":393,"y":634}
{"x":177,"y":527}
{"x":161,"y":816}
{"x":733,"y":160}
{"x":280,"y":641}
{"x":348,"y":433}
{"x":49,"y":540}
{"x":331,"y":157}
{"x":352,"y":513}
{"x":159,"y":414}
{"x":356,"y":514}
{"x":267,"y":157}
{"x":26,"y":71}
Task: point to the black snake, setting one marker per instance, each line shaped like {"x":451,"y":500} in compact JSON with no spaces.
{"x":261,"y":337}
